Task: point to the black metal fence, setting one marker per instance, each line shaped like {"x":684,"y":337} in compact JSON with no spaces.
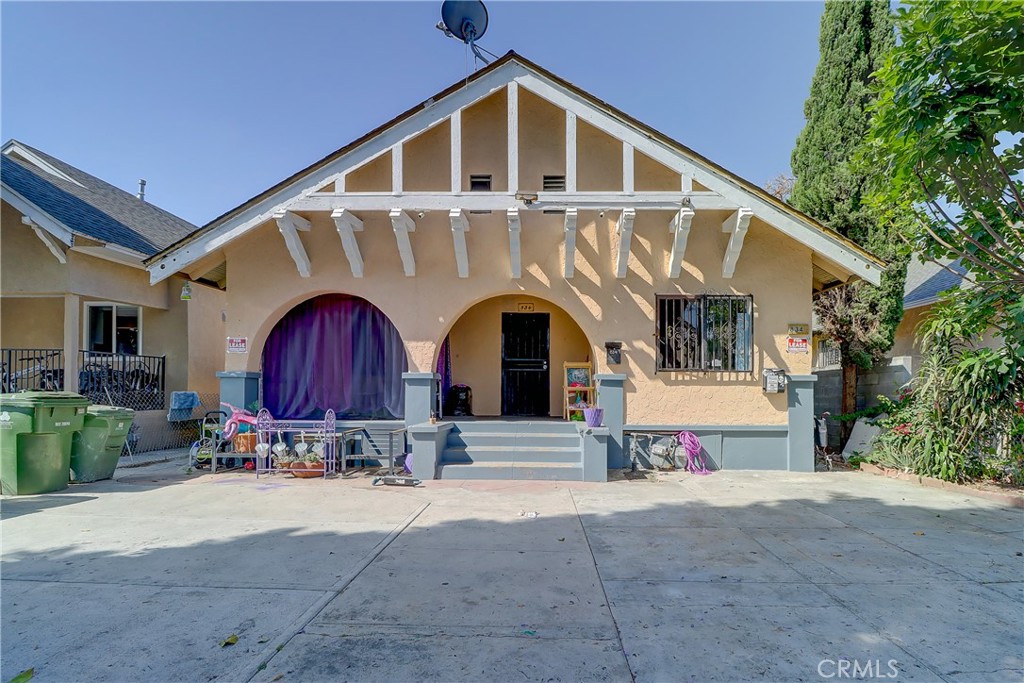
{"x":31,"y":370}
{"x":135,"y":382}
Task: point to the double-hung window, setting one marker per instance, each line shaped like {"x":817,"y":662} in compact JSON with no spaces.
{"x":706,"y":333}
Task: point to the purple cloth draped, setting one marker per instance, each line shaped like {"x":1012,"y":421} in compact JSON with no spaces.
{"x":334,"y":351}
{"x":444,"y":366}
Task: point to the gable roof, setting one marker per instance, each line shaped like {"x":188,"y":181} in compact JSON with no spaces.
{"x":859,"y":261}
{"x":926,"y":280}
{"x":85,"y":205}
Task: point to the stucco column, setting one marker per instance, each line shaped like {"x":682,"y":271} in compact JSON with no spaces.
{"x":72,"y":328}
{"x":239,"y":387}
{"x":611,"y":396}
{"x":800,"y":401}
{"x":420,"y":396}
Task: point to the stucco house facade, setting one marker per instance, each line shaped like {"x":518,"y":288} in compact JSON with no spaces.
{"x":77,"y":310}
{"x":501,"y":228}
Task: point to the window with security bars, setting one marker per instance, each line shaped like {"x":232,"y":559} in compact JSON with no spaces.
{"x":707,"y":333}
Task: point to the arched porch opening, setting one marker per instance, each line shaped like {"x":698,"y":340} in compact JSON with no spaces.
{"x":510,"y":350}
{"x":334,"y":351}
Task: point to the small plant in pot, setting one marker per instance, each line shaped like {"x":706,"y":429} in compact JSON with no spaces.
{"x":311,"y":465}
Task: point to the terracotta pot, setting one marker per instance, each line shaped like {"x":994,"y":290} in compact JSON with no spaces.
{"x":303,"y":470}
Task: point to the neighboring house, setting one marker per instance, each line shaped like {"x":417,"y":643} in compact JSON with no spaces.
{"x":77,"y":310}
{"x":503,"y":227}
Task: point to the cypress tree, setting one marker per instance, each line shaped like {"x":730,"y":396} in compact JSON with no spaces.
{"x":855,"y":37}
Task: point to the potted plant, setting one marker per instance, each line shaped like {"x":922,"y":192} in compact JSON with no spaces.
{"x":312,"y":465}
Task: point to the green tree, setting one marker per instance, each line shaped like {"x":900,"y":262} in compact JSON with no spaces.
{"x":948,"y":139}
{"x":831,"y":184}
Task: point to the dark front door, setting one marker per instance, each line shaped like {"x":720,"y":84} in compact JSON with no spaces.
{"x":525,"y":352}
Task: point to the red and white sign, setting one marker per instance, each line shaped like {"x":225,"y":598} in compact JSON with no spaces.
{"x":238,"y":345}
{"x":797,"y":345}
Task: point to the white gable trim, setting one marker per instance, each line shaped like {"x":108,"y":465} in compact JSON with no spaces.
{"x":14,"y":147}
{"x":432,"y":114}
{"x":37,"y":215}
{"x":513,"y":72}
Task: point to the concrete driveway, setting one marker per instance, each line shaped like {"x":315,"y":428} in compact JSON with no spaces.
{"x":732,"y":577}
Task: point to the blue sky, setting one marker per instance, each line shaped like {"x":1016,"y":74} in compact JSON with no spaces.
{"x":214,"y":102}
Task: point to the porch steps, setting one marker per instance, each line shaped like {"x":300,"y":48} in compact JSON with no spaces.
{"x":546,"y":450}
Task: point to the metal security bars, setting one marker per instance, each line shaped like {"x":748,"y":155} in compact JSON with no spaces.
{"x":31,"y":370}
{"x":130,"y":381}
{"x":707,"y":333}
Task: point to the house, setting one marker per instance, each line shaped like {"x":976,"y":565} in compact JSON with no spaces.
{"x":77,"y":310}
{"x":507,"y":225}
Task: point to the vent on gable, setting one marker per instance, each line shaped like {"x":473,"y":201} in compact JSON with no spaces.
{"x":480,"y":183}
{"x":554,"y":183}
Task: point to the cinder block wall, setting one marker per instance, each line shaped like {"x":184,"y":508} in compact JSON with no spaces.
{"x":828,"y":396}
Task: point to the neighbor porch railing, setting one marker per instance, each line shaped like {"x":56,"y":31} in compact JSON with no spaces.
{"x":31,"y":370}
{"x":129,"y":381}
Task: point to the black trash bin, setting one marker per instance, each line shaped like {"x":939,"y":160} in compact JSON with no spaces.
{"x":459,"y":401}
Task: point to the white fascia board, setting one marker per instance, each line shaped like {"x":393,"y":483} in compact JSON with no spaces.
{"x":259,"y":213}
{"x":14,"y":147}
{"x":500,"y":201}
{"x":665,"y":154}
{"x":105,"y":252}
{"x":37,"y":215}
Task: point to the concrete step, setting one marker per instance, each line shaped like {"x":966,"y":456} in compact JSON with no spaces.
{"x":488,"y":454}
{"x":521,"y":440}
{"x":515,"y":426}
{"x":511,"y":470}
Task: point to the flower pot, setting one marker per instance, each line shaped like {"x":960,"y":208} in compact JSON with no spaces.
{"x":303,"y":470}
{"x":593,"y":416}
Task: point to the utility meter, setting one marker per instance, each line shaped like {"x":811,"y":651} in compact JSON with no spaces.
{"x":773,"y":381}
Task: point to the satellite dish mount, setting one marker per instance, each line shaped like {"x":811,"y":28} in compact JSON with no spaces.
{"x":465,"y":20}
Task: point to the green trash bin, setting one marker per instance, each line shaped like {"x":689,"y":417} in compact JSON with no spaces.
{"x":95,"y":450}
{"x":37,"y":412}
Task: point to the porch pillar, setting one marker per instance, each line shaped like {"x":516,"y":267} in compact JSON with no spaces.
{"x":72,"y":327}
{"x":800,"y":401}
{"x":239,"y":387}
{"x":611,"y":396}
{"x":420,"y":396}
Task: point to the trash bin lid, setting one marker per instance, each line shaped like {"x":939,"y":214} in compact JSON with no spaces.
{"x":113,"y":412}
{"x":34,"y":399}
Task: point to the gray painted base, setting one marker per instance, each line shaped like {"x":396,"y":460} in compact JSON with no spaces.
{"x":762,"y":447}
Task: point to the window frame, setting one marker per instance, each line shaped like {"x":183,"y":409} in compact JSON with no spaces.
{"x":89,"y":305}
{"x":701,"y":302}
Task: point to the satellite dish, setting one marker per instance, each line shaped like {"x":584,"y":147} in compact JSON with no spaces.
{"x":464,"y":19}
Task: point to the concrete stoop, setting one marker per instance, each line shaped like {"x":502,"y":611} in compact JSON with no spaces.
{"x":512,"y":450}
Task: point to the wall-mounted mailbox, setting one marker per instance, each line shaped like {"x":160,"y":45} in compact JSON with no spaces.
{"x":613,"y":352}
{"x":773,"y":381}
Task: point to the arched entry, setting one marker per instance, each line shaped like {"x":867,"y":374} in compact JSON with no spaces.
{"x":334,"y":351}
{"x":509,"y":350}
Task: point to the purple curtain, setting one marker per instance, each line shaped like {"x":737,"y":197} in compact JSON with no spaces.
{"x":334,"y":351}
{"x":444,"y":366}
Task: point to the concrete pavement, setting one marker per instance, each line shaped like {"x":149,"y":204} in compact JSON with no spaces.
{"x":734,"y":576}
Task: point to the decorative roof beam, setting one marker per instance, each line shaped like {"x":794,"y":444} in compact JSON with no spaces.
{"x":570,"y":151}
{"x":289,"y":224}
{"x":403,"y":225}
{"x":47,"y":239}
{"x":570,"y":242}
{"x":500,"y":201}
{"x":348,"y":225}
{"x":460,"y":226}
{"x":680,"y":229}
{"x":396,"y":169}
{"x":456,"y":138}
{"x":513,"y":137}
{"x":515,"y":256}
{"x":625,"y":229}
{"x":627,"y":168}
{"x":736,"y":224}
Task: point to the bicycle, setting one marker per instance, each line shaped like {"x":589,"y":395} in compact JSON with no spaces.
{"x":822,"y":458}
{"x":12,"y":382}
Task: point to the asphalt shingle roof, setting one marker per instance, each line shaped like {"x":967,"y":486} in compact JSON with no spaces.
{"x":95,"y":209}
{"x":925,"y":281}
